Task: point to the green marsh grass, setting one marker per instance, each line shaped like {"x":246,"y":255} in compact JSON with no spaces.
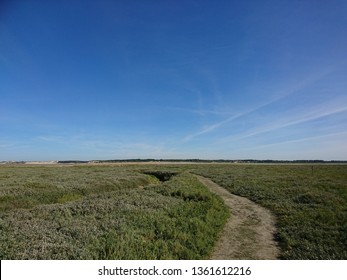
{"x":105,"y":212}
{"x":125,"y":212}
{"x":309,"y":202}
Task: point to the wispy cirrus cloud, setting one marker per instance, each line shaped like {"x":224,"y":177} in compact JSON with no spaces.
{"x":326,"y":146}
{"x":52,"y":138}
{"x":342,"y":133}
{"x":87,"y":146}
{"x":280,"y":95}
{"x":210,"y":128}
{"x":5,"y":145}
{"x":199,"y":111}
{"x":313,"y":115}
{"x":335,"y":136}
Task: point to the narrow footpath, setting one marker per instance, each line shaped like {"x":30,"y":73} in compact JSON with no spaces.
{"x":249,"y":232}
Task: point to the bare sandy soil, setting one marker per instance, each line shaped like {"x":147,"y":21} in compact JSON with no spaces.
{"x":249,"y":232}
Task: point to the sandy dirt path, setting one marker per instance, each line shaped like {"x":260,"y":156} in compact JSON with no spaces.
{"x":248,"y":234}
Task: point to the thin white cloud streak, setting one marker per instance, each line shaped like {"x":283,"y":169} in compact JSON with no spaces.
{"x":82,"y":140}
{"x":326,"y":147}
{"x":312,"y":138}
{"x":305,"y":139}
{"x":88,"y":147}
{"x":198,"y":111}
{"x":212,"y":127}
{"x":5,"y":145}
{"x":311,"y":117}
{"x":280,"y":95}
{"x":51,"y":138}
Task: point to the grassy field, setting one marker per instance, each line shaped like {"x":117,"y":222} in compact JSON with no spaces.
{"x":125,"y":212}
{"x":105,"y":212}
{"x":309,"y":202}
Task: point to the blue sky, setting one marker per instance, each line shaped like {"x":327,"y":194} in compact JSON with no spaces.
{"x":173,"y":79}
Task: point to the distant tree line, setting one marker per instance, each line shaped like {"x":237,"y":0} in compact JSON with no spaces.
{"x":212,"y":161}
{"x":186,"y":160}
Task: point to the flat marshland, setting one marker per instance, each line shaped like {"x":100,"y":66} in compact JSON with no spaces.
{"x":161,"y":211}
{"x":105,"y":212}
{"x":308,"y":201}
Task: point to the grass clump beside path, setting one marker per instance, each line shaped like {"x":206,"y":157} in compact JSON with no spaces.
{"x":309,"y":202}
{"x":105,"y":212}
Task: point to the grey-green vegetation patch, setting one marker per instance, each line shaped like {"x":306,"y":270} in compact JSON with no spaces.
{"x":99,"y":212}
{"x":310,"y":203}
